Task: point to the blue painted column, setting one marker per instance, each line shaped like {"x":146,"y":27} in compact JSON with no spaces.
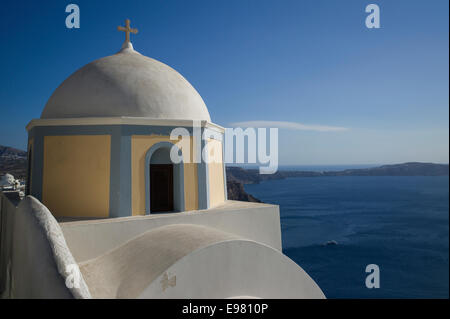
{"x":120,"y":174}
{"x":203,"y":179}
{"x":224,"y":169}
{"x":38,"y":163}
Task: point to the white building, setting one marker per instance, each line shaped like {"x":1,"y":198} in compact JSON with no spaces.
{"x":111,"y":215}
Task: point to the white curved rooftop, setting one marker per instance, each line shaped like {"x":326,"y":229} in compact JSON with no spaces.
{"x":126,"y":84}
{"x":193,"y":261}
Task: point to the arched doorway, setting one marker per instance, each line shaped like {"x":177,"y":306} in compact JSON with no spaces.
{"x":164,"y":180}
{"x":161,"y":182}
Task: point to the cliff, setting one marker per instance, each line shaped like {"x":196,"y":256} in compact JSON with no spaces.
{"x":13,"y":161}
{"x":252,"y":176}
{"x":236,"y":191}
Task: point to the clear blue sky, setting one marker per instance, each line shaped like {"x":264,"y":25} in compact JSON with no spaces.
{"x":309,"y":62}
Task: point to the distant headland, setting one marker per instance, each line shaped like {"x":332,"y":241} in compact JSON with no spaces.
{"x":237,"y":176}
{"x":14,"y":161}
{"x":252,"y":176}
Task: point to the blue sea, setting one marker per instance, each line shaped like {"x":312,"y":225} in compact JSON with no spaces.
{"x":400,"y":224}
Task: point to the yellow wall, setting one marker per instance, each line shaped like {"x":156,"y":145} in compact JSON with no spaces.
{"x":76,"y":175}
{"x":215,"y":169}
{"x":140,"y":144}
{"x":190,"y":186}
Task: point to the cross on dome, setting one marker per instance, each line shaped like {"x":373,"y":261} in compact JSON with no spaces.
{"x":127,"y":31}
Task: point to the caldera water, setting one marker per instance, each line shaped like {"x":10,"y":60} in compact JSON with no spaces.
{"x":333,"y":227}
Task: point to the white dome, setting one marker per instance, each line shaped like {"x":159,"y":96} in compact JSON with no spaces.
{"x":126,"y":84}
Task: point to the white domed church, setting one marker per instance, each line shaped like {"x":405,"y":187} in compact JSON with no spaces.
{"x":111,"y":214}
{"x":104,"y":136}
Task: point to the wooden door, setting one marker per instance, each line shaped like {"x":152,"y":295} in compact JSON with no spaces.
{"x":161,"y":187}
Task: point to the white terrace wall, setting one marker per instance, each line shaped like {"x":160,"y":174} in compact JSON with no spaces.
{"x":34,"y":256}
{"x":255,"y":221}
